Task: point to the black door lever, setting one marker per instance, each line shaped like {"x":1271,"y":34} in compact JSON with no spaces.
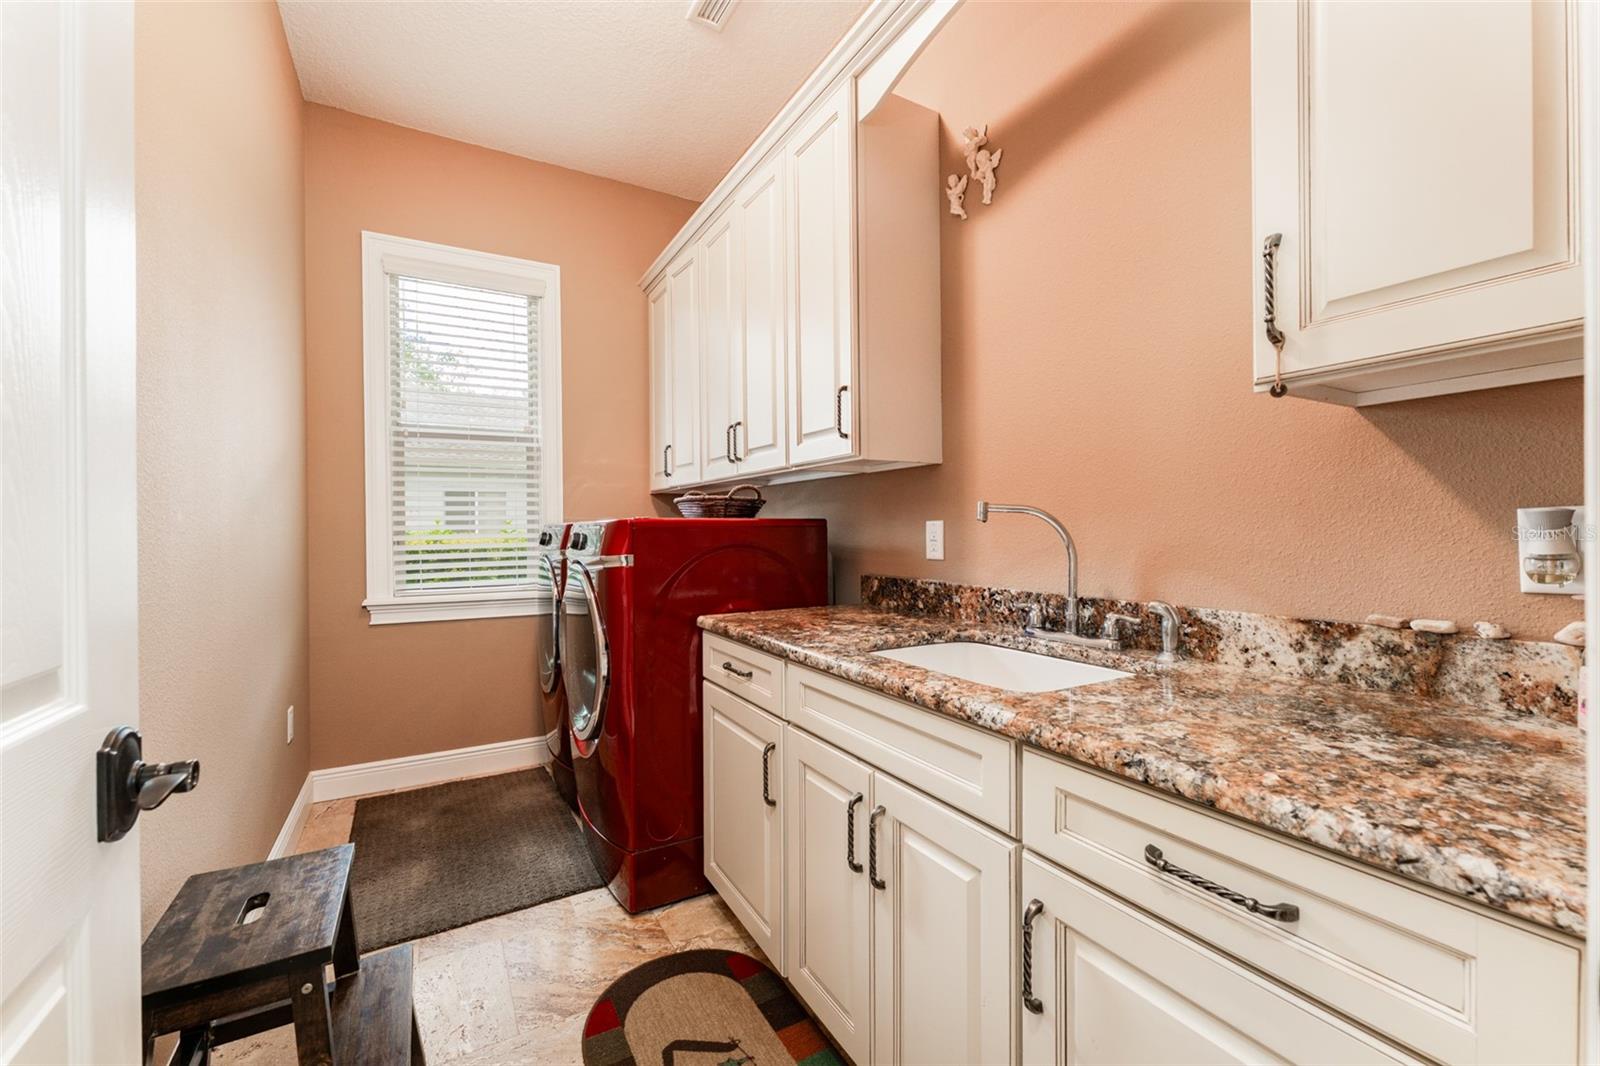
{"x":125,"y":784}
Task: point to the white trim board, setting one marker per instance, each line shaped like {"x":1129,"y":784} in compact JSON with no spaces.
{"x":409,"y":771}
{"x":299,"y":812}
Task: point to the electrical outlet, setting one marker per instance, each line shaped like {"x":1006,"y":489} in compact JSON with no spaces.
{"x":290,"y":717}
{"x":933,"y":540}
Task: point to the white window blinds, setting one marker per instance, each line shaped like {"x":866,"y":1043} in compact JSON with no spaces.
{"x":464,"y":434}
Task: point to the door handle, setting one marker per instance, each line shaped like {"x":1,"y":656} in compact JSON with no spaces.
{"x":850,"y":833}
{"x":125,"y":784}
{"x":737,"y":426}
{"x":766,"y":772}
{"x":727,"y":442}
{"x":666,"y":464}
{"x":1029,"y":1000}
{"x":872,"y":848}
{"x":838,"y":411}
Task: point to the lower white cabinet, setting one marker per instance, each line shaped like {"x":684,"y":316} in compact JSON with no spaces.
{"x":743,"y":820}
{"x":899,"y":914}
{"x":942,"y":924}
{"x":1113,"y":985}
{"x":828,"y":935}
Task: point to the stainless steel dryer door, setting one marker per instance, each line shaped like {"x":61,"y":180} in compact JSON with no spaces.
{"x":585,"y":658}
{"x":546,"y":632}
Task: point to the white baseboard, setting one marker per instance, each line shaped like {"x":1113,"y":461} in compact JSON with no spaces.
{"x":339,"y":782}
{"x":292,"y":825}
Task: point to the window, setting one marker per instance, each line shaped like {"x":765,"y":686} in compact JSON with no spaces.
{"x":462,"y":363}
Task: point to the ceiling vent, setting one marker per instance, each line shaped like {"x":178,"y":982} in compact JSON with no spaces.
{"x":713,"y":13}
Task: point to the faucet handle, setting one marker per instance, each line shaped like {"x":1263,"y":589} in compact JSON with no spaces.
{"x":1111,"y":628}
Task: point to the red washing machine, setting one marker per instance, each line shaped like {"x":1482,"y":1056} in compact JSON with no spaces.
{"x":550,"y":576}
{"x":630,"y":658}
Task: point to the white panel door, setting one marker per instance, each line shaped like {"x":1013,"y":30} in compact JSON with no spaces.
{"x":1420,"y":161}
{"x":744,"y":814}
{"x":820,"y":159}
{"x":659,"y":300}
{"x":827,"y":906}
{"x":1116,"y":986}
{"x":683,"y":370}
{"x":721,"y":343}
{"x":760,"y":410}
{"x":942,"y":932}
{"x":69,"y":907}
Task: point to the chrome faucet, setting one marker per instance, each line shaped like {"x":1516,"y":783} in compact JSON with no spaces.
{"x":1170,"y":631}
{"x":1069,"y":634}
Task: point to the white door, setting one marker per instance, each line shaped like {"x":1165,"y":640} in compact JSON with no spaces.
{"x":1419,"y":162}
{"x":744,"y":814}
{"x":69,"y":907}
{"x":1116,"y":986}
{"x":659,"y":300}
{"x":820,"y":159}
{"x":942,"y":929}
{"x":827,"y":923}
{"x":760,"y":414}
{"x":720,"y":344}
{"x":683,"y":369}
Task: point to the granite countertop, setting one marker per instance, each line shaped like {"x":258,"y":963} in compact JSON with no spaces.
{"x":1480,"y":803}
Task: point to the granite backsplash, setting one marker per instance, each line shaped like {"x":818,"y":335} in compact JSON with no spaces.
{"x":1520,"y":676}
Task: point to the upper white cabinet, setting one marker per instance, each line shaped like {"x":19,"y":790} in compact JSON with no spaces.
{"x":815,"y":340}
{"x":675,"y":375}
{"x":1420,"y":164}
{"x":819,"y":156}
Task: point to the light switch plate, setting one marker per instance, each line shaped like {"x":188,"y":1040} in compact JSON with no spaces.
{"x":933,"y":540}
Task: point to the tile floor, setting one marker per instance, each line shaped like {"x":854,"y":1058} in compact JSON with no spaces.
{"x":516,"y":989}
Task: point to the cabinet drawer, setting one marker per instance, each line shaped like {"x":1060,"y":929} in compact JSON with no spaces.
{"x":754,"y":675}
{"x":1115,"y":985}
{"x":971,"y":770}
{"x":1448,"y":980}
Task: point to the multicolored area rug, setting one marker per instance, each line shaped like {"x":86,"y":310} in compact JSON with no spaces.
{"x":702,"y":1008}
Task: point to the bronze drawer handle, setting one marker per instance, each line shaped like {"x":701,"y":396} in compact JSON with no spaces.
{"x":1278,"y":912}
{"x":742,"y":675}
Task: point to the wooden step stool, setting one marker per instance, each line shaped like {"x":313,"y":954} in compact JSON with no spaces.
{"x":244,"y":950}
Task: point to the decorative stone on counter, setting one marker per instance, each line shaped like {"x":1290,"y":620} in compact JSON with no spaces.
{"x":1574,"y":634}
{"x":1476,"y":801}
{"x":1387,"y":621}
{"x":1442,"y":626}
{"x":1491,"y":631}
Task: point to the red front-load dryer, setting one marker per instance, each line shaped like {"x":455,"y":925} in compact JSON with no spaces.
{"x":630,"y":664}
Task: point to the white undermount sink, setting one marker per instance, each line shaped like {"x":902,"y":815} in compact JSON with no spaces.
{"x":1007,"y":668}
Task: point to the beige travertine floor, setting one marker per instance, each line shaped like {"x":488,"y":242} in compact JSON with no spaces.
{"x":517,"y":988}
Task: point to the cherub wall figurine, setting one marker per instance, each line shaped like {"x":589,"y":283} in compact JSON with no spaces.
{"x":956,"y":191}
{"x":972,"y":140}
{"x":985,"y":164}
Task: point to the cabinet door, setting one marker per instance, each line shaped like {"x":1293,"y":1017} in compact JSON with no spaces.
{"x":1419,"y":161}
{"x":759,"y":410}
{"x":1117,"y":986}
{"x":827,"y":933}
{"x":721,"y":343}
{"x":743,"y":814}
{"x":683,"y":370}
{"x":659,"y":301}
{"x":819,"y":156}
{"x":942,"y":933}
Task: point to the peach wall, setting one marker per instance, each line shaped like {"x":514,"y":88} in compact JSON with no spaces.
{"x":1097,"y":339}
{"x":388,"y":691}
{"x":222,"y":560}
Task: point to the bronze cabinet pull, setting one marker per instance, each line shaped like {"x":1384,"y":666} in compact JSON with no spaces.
{"x":1029,"y":1000}
{"x":850,"y":833}
{"x":1278,"y":912}
{"x":766,"y":772}
{"x":872,"y":848}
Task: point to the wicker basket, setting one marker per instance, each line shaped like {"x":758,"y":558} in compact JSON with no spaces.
{"x":720,"y":504}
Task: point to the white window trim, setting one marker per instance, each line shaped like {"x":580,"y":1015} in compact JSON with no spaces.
{"x":484,"y":268}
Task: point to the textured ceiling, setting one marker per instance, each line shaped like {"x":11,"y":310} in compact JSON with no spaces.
{"x":627,"y":89}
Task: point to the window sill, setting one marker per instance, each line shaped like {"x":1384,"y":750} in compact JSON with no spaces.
{"x":445,"y":609}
